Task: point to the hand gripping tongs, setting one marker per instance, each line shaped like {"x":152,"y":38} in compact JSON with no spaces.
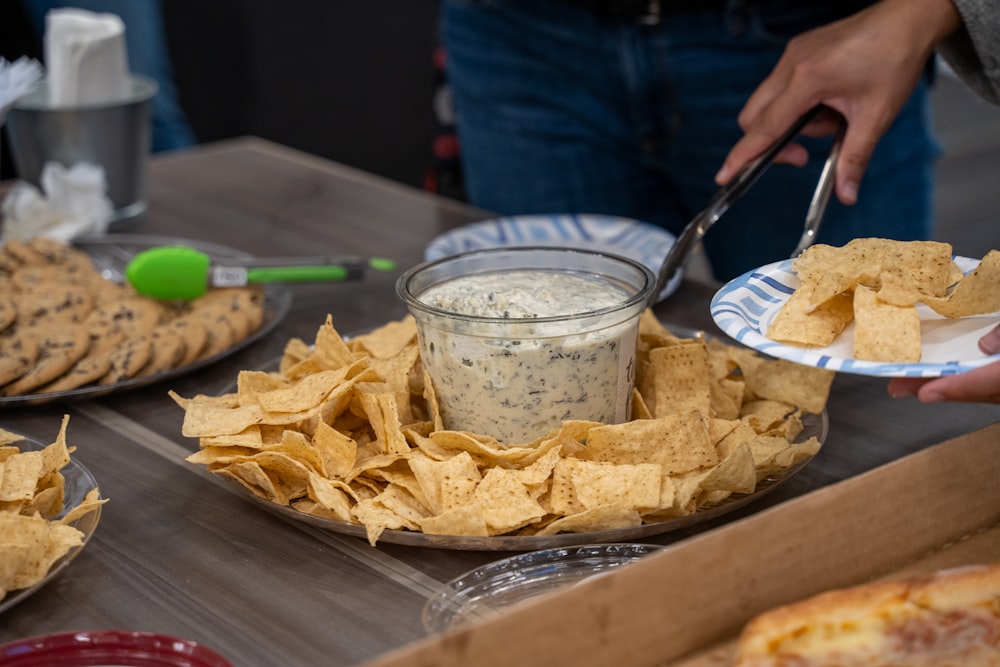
{"x":735,"y":188}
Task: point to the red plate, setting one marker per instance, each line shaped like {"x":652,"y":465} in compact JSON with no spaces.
{"x":108,"y":647}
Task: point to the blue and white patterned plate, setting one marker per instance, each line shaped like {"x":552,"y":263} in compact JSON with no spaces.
{"x":636,"y":240}
{"x":745,"y":307}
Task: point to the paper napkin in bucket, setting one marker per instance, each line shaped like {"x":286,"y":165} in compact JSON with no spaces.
{"x":85,"y":57}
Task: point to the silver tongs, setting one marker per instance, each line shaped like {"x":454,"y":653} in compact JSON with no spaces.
{"x":735,"y":188}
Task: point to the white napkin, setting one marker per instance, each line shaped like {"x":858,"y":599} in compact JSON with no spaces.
{"x":16,"y":79}
{"x":74,"y":204}
{"x":85,"y":57}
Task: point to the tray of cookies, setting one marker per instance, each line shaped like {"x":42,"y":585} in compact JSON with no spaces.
{"x":72,"y":327}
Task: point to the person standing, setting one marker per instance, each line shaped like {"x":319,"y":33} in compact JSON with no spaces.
{"x":629,"y":107}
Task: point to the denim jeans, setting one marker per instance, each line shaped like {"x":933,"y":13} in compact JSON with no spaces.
{"x":560,"y":111}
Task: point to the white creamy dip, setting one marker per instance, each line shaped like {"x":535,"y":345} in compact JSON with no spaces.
{"x":518,"y":378}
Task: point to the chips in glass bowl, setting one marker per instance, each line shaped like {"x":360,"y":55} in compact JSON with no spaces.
{"x":49,"y":506}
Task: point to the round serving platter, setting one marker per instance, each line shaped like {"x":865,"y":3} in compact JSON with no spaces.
{"x":111,"y":254}
{"x":537,"y":542}
{"x":78,"y":483}
{"x":814,"y":425}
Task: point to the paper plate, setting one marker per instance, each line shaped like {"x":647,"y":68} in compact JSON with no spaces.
{"x":487,"y":590}
{"x":745,"y":307}
{"x":636,"y":240}
{"x":108,"y":647}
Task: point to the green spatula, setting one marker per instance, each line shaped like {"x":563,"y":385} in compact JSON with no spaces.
{"x":179,"y":272}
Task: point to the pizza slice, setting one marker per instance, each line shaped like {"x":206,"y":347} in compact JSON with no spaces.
{"x":947,"y":618}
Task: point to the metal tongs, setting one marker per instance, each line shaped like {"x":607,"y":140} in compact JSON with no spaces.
{"x":734,"y":189}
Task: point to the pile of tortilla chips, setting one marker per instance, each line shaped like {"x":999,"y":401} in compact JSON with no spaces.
{"x":33,"y":535}
{"x":877,"y":284}
{"x":351,"y":431}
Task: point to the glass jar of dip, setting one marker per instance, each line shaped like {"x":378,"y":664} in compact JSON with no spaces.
{"x":518,"y":340}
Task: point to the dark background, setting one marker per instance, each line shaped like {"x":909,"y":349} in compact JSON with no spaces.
{"x":350,"y":80}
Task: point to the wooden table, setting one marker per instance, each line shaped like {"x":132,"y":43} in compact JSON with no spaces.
{"x":178,"y":552}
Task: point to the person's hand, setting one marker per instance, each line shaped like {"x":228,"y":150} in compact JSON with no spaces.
{"x":980,"y":385}
{"x":863,"y":67}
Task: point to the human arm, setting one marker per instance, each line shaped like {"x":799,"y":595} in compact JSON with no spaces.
{"x":863,"y":67}
{"x":973,"y":51}
{"x":980,"y":385}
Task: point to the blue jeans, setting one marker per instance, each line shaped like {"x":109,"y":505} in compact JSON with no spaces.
{"x":559,"y":111}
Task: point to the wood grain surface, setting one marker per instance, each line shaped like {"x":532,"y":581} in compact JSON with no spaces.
{"x":178,"y":552}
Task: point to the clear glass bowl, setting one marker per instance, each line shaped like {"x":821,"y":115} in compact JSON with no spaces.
{"x":519,"y":340}
{"x":485,"y":591}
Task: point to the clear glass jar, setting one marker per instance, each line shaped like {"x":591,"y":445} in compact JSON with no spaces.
{"x":518,"y":340}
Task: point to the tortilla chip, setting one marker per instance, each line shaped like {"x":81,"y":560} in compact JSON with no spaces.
{"x":463,"y":521}
{"x":377,"y":518}
{"x":606,"y":517}
{"x":677,"y":379}
{"x":883,"y":332}
{"x":807,"y":387}
{"x":818,"y":327}
{"x":976,"y":294}
{"x":736,"y":473}
{"x":635,"y":486}
{"x":387,"y":341}
{"x":505,"y":503}
{"x":678,"y":443}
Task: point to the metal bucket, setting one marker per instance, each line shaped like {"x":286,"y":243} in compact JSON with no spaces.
{"x":115,"y":136}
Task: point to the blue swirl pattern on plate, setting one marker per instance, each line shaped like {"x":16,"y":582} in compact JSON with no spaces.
{"x":745,"y":306}
{"x":636,"y":240}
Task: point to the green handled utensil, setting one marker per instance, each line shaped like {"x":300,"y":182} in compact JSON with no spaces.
{"x":179,"y":272}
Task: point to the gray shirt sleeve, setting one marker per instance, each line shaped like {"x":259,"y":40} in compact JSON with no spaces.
{"x":974,"y":51}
